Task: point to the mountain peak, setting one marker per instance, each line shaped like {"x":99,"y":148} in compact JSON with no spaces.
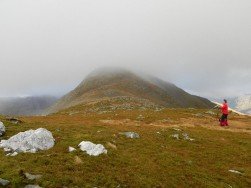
{"x":109,"y":83}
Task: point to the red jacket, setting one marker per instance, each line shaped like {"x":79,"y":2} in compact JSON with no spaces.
{"x":224,"y":108}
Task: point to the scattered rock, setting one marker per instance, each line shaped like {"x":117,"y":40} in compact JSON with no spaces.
{"x":191,"y":108}
{"x":2,"y":129}
{"x":199,"y":115}
{"x":109,"y":144}
{"x":73,"y":113}
{"x":4,"y":182}
{"x":158,"y":132}
{"x":92,"y":149}
{"x":140,"y":117}
{"x":78,"y":160}
{"x":71,"y":149}
{"x":168,"y":120}
{"x":186,"y":137}
{"x":32,"y":186}
{"x":14,"y":120}
{"x":176,"y":129}
{"x":190,"y":162}
{"x":13,"y":154}
{"x":32,"y":177}
{"x":210,"y":112}
{"x":130,"y":134}
{"x":176,"y":136}
{"x":29,"y":141}
{"x":235,"y":171}
{"x":7,"y":150}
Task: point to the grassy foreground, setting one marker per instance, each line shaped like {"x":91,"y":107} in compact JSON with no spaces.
{"x":154,"y":160}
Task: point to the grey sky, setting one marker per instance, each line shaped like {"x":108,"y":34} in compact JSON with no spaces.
{"x":48,"y":47}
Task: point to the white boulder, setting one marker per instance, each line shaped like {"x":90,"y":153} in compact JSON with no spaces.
{"x":29,"y":141}
{"x":2,"y":128}
{"x":92,"y":149}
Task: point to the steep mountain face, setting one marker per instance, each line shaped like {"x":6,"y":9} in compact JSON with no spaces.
{"x":108,"y":84}
{"x":241,"y":103}
{"x":25,"y":106}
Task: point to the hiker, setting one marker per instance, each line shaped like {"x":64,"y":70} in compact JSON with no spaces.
{"x":224,"y":110}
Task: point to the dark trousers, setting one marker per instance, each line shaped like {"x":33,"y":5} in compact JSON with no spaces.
{"x":223,"y":120}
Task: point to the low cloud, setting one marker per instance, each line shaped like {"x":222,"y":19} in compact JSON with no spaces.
{"x":48,"y":47}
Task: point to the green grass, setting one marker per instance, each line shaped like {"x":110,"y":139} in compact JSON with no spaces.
{"x":154,"y":160}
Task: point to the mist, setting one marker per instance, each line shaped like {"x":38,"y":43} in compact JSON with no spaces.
{"x":49,"y":47}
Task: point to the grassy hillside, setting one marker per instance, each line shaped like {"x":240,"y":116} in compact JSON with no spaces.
{"x":154,"y":160}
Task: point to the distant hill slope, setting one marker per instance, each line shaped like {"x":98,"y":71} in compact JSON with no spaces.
{"x":110,"y":83}
{"x":26,"y":105}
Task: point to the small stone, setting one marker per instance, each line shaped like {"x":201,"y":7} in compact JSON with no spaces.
{"x":32,"y":186}
{"x":186,"y":137}
{"x":210,"y":112}
{"x":131,"y":134}
{"x":78,"y":160}
{"x":235,"y":171}
{"x":71,"y":149}
{"x":176,"y":129}
{"x":176,"y":136}
{"x":4,"y":182}
{"x":14,"y":120}
{"x":32,"y":177}
{"x":109,"y":144}
{"x":7,"y":150}
{"x":14,"y":154}
{"x":199,"y":115}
